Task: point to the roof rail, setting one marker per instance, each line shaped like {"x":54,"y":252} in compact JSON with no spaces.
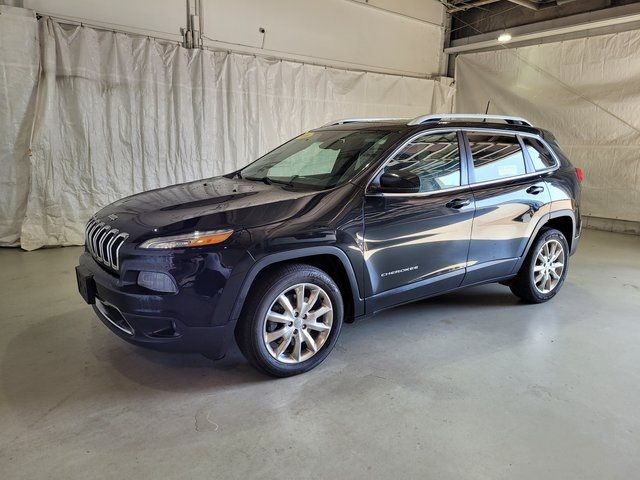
{"x":469,"y":116}
{"x":361,"y":120}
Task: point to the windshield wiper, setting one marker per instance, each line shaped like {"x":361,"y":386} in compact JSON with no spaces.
{"x":271,"y":181}
{"x":288,"y":183}
{"x":266,"y":180}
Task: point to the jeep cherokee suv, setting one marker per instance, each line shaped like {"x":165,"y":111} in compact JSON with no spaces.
{"x":338,"y":223}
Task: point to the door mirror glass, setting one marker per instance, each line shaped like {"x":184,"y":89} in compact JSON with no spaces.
{"x":399,"y":181}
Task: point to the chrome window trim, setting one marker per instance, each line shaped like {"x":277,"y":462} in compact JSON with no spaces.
{"x":503,"y":180}
{"x":421,"y":194}
{"x":396,"y":151}
{"x":545,"y":145}
{"x":516,"y":134}
{"x":468,"y":186}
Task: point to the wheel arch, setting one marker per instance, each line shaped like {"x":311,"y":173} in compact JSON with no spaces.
{"x":332,"y":260}
{"x":564,"y":224}
{"x":562,"y":220}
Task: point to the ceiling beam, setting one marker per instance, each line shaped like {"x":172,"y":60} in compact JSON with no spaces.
{"x":530,"y":4}
{"x":533,"y":5}
{"x":565,"y":26}
{"x":461,"y":7}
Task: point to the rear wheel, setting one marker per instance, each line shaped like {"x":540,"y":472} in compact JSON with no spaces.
{"x":545,"y":268}
{"x":291,"y":321}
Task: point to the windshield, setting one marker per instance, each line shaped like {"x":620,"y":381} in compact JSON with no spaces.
{"x":320,"y":159}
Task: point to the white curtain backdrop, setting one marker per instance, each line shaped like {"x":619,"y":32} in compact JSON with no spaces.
{"x":587,"y":92}
{"x":118,"y":114}
{"x":18,"y":80}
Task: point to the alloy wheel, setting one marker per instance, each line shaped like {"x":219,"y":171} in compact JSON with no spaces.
{"x":298,"y":323}
{"x":550,"y":263}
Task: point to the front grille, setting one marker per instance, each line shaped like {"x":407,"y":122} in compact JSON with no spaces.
{"x":104,"y":242}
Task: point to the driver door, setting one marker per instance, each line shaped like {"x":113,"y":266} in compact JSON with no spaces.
{"x":416,"y":244}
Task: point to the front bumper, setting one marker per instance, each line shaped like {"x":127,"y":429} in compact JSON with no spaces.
{"x":165,"y":333}
{"x":195,"y":319}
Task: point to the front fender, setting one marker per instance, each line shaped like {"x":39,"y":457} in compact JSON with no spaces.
{"x":298,"y":254}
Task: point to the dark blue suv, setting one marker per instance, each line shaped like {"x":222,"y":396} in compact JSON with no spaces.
{"x":338,"y":223}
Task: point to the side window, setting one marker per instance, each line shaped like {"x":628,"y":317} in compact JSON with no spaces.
{"x":539,"y":154}
{"x":496,"y":156}
{"x":434,"y":159}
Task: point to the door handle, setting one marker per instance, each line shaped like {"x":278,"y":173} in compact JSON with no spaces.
{"x":535,"y":189}
{"x":458,"y":203}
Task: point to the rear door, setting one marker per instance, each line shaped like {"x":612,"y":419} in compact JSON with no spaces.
{"x":416,"y":244}
{"x":510,"y":200}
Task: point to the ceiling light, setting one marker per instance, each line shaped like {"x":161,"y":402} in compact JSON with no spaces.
{"x":504,"y":37}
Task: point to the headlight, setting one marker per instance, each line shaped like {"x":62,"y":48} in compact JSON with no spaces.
{"x":194,"y":239}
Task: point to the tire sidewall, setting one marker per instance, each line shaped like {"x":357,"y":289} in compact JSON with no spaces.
{"x":311,"y":275}
{"x":545,"y":237}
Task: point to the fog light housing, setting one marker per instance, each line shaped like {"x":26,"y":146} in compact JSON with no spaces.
{"x":157,"y":281}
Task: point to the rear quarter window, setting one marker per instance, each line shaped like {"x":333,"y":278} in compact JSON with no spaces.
{"x":540,"y":155}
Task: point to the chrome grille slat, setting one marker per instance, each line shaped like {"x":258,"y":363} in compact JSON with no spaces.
{"x":104,"y":242}
{"x":102,"y":251}
{"x":123,"y":236}
{"x":86,"y":231}
{"x":114,"y":233}
{"x":94,"y":239}
{"x":90,"y":232}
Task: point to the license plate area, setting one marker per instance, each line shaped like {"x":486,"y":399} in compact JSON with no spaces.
{"x":86,"y":285}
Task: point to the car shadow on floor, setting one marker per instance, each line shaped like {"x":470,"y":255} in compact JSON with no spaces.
{"x":481,"y":296}
{"x":76,"y":352}
{"x":53,"y":357}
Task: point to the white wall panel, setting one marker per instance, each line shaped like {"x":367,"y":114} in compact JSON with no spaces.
{"x":331,"y":31}
{"x":161,"y":18}
{"x":343,"y":33}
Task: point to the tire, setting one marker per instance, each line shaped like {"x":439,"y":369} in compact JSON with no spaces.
{"x":310,"y":339}
{"x":524,"y":285}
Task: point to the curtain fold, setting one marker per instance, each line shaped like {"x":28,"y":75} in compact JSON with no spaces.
{"x":18,"y":80}
{"x":118,"y":114}
{"x":587,"y":92}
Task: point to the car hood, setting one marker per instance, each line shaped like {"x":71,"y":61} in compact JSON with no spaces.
{"x":210,"y":204}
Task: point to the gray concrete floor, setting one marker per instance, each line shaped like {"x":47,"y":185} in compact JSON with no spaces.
{"x":472,"y":385}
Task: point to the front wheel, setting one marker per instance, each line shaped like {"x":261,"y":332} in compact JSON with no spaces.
{"x":292,"y":320}
{"x":545,"y":268}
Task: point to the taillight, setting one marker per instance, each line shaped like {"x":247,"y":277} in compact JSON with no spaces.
{"x":580,"y":174}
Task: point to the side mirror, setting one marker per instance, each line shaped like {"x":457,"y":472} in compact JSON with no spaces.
{"x":399,"y":181}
